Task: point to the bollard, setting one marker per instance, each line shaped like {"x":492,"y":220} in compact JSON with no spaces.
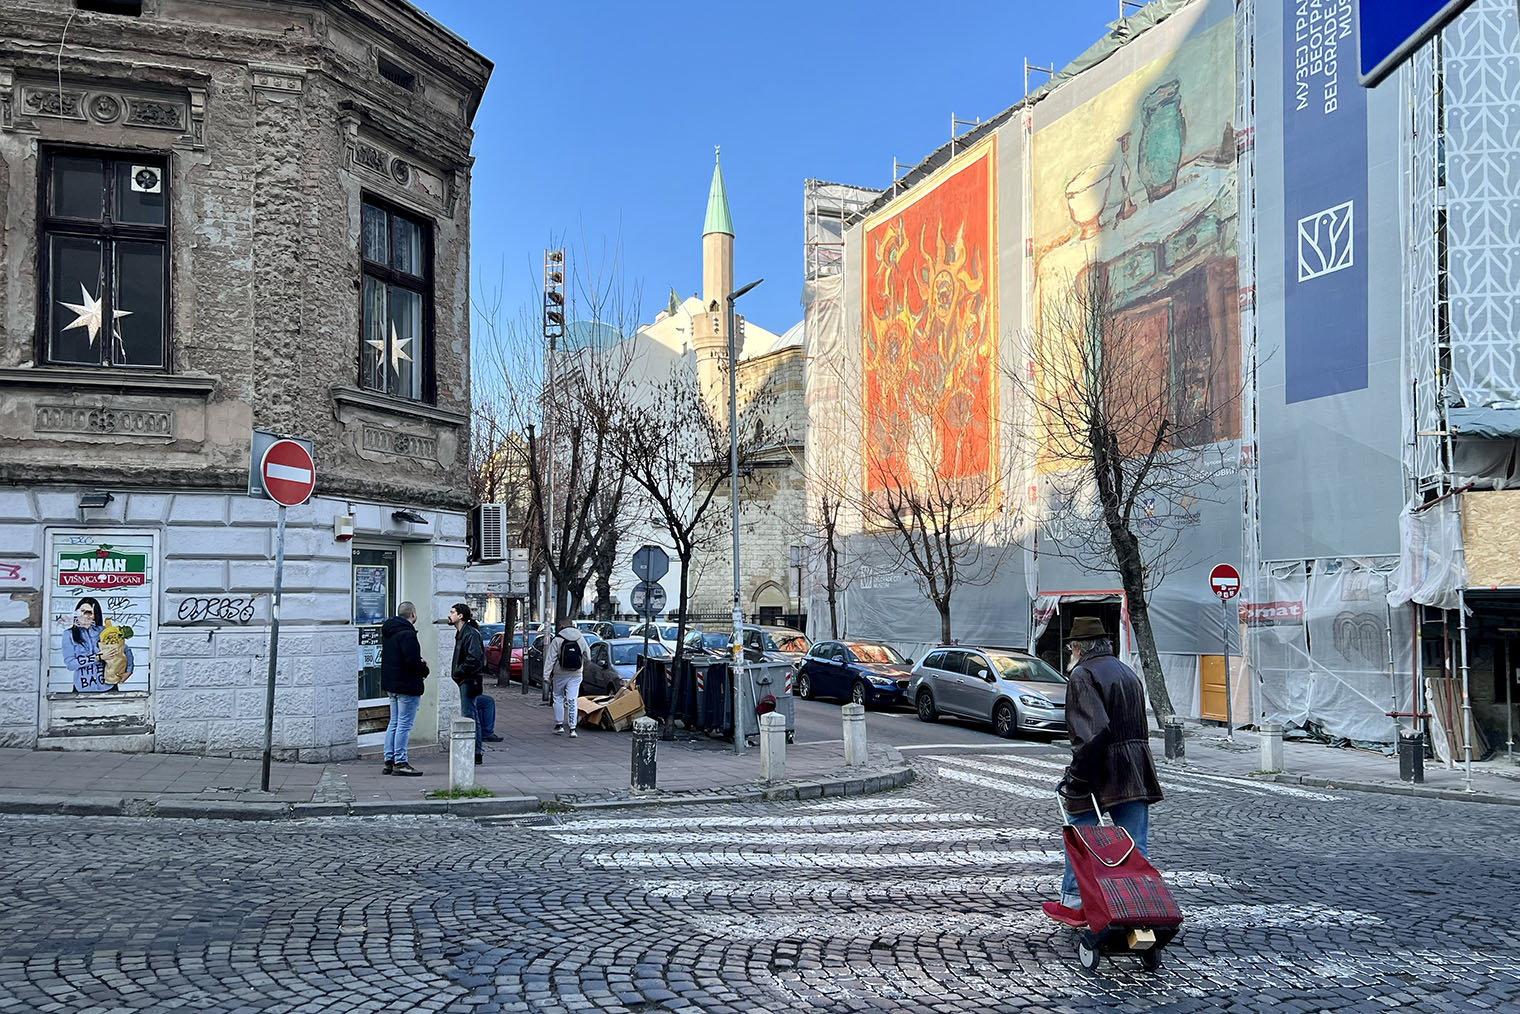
{"x":1176,"y":744}
{"x":773,"y":747}
{"x":854,"y":734}
{"x":1271,"y":746}
{"x":646,"y":734}
{"x":1411,"y":756}
{"x":462,"y":753}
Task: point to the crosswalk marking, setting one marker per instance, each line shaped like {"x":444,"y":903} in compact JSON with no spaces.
{"x":898,"y":888}
{"x":997,"y":785}
{"x":827,"y":840}
{"x":1010,"y":767}
{"x":874,"y":805}
{"x":744,"y":858}
{"x":1274,"y":788}
{"x":700,"y":821}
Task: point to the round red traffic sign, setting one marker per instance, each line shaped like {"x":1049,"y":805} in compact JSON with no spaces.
{"x":289,"y":473}
{"x":1224,"y":581}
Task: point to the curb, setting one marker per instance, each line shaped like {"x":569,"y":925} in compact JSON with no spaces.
{"x":1400,"y":789}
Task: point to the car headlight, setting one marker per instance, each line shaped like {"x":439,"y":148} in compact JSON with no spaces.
{"x":1030,"y":701}
{"x":882,"y":681}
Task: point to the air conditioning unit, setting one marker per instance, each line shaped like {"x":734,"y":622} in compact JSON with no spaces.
{"x":488,"y":532}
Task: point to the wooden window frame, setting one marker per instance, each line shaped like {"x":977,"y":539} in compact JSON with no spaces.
{"x":384,"y":273}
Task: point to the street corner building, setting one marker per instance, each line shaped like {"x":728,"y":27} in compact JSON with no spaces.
{"x":220,"y":219}
{"x":1325,"y":281}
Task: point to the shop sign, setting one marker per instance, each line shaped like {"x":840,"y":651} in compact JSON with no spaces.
{"x":100,"y":611}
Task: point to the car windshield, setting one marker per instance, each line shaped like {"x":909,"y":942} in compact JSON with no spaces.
{"x":876,"y":653}
{"x":1026,"y":670}
{"x":787,"y":642}
{"x":628,"y":654}
{"x":517,"y":640}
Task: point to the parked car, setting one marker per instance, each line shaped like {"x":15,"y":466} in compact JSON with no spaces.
{"x":587,"y":626}
{"x":494,"y":648}
{"x":1011,"y":689}
{"x":665,"y":633}
{"x":715,"y":642}
{"x":871,"y":674}
{"x":622,"y":654}
{"x":535,"y":656}
{"x":774,"y":644}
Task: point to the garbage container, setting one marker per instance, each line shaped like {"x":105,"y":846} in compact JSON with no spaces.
{"x":768,"y":689}
{"x":1411,"y":757}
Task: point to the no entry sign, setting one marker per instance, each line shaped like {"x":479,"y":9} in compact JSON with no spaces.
{"x":288,"y":472}
{"x":1224,"y":581}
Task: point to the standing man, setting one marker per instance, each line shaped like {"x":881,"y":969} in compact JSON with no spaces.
{"x":469,"y":668}
{"x":402,"y":670}
{"x":567,"y":653}
{"x":1110,"y":746}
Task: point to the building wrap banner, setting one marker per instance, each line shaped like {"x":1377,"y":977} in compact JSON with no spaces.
{"x":1325,"y":211}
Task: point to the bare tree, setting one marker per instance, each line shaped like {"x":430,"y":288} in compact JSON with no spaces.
{"x":574,"y":394}
{"x":677,"y":453}
{"x":1121,"y":429}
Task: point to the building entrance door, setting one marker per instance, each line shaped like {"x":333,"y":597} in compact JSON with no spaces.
{"x":375,"y":576}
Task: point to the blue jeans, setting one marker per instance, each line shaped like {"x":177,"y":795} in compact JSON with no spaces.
{"x":485,"y":714}
{"x":1133,"y":817}
{"x":467,"y":710}
{"x":403,"y":713}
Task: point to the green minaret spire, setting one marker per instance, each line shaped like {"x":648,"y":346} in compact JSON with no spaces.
{"x":718,"y":218}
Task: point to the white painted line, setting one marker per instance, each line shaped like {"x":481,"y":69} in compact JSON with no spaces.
{"x":824,"y":841}
{"x":1010,"y":767}
{"x":1252,"y":785}
{"x":275,"y":470}
{"x":1012,"y":788}
{"x":741,"y":858}
{"x":673,"y":822}
{"x":897,"y":889}
{"x":871,"y":805}
{"x":966,"y":746}
{"x":817,"y":742}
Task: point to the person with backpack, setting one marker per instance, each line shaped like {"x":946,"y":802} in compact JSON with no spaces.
{"x":568,"y":652}
{"x":469,"y":668}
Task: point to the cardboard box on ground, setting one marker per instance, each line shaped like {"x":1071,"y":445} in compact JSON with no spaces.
{"x":615,"y":713}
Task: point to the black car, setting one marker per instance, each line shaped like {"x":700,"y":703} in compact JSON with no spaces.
{"x":871,"y":674}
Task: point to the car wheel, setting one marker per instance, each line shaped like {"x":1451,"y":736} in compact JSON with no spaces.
{"x":804,"y":686}
{"x":925,"y":705}
{"x":858,"y":694}
{"x":1004,"y":721}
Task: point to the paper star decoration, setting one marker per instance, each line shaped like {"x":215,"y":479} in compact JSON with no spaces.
{"x":398,"y":348}
{"x":87,"y":314}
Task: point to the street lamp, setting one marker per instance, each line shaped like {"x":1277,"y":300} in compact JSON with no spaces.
{"x":733,"y":504}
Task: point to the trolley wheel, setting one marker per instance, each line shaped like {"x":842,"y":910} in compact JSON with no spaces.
{"x":790,"y":736}
{"x":1088,"y":955}
{"x":1150,"y":959}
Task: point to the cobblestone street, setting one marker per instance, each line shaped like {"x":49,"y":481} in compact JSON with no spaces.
{"x":921,"y":900}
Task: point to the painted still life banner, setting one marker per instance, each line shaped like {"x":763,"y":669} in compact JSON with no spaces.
{"x":929,"y":323}
{"x":1139,"y":183}
{"x":100,"y":613}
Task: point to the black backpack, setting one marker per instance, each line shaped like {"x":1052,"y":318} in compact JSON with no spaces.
{"x":569,"y":654}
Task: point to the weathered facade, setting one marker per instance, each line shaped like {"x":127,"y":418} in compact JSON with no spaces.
{"x":222,"y":217}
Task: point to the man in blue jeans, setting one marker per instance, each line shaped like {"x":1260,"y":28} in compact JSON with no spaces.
{"x":1110,"y":748}
{"x":402,"y":670}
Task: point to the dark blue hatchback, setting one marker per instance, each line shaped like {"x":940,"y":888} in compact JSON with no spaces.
{"x":871,"y":674}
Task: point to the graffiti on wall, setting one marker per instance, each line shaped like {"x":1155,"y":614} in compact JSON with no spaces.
{"x":1139,"y":183}
{"x":929,"y":324}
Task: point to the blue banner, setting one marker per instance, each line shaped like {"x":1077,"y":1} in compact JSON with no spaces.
{"x":1325,"y":202}
{"x":1389,"y":30}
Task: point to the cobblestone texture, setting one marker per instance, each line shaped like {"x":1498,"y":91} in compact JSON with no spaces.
{"x":922,"y":900}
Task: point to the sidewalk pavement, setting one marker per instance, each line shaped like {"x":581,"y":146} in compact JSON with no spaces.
{"x":530,"y":769}
{"x":1317,"y":765}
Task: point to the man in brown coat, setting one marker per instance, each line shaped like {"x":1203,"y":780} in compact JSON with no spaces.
{"x":1110,"y":743}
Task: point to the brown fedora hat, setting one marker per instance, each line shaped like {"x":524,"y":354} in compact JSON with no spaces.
{"x":1086,"y":628}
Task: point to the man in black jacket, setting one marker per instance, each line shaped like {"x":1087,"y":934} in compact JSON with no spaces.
{"x":402,"y":671}
{"x":1110,"y":744}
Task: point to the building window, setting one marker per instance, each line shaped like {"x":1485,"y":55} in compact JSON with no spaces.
{"x":396,"y":74}
{"x":395,"y":346}
{"x":105,"y":263}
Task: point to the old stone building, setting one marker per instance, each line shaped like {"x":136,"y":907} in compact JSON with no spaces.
{"x":221,"y":218}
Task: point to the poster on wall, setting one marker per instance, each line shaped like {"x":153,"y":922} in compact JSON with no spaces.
{"x":371,"y":587}
{"x":100,"y":612}
{"x":929,"y":319}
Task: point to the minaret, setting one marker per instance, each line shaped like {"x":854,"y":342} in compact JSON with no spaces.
{"x":709,"y":332}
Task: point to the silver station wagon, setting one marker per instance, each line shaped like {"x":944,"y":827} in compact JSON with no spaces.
{"x":1013,"y":690}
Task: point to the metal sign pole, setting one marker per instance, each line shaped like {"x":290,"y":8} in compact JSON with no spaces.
{"x":274,"y":644}
{"x":1229,"y":715}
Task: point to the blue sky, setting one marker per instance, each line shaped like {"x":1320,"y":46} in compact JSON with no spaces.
{"x":601,"y":116}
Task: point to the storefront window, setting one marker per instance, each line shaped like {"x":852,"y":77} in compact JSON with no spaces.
{"x":374,"y":603}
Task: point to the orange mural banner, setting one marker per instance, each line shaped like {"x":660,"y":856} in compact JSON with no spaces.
{"x":930,"y":331}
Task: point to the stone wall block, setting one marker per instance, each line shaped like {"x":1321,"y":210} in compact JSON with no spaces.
{"x":338,"y":641}
{"x":58,"y":507}
{"x":176,"y":735}
{"x":205,"y":576}
{"x":23,"y":539}
{"x":195,"y":705}
{"x":235,"y":735}
{"x":249,"y":703}
{"x":195,"y":507}
{"x":165,"y":675}
{"x":147,"y":508}
{"x":295,"y":732}
{"x":18,"y":676}
{"x":243,"y":644}
{"x":173,"y":644}
{"x":17,"y":736}
{"x":23,"y":646}
{"x":294,"y":701}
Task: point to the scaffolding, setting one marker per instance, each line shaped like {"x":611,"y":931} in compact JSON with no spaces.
{"x":825,"y":209}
